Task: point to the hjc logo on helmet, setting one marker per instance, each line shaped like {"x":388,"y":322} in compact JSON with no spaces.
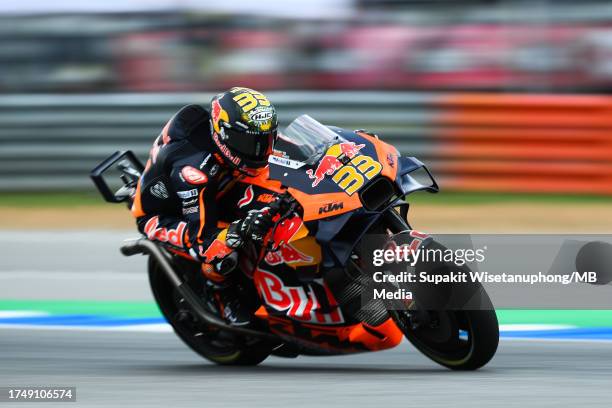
{"x":261,"y":115}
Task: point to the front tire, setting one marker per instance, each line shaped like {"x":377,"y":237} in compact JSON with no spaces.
{"x":202,"y":339}
{"x":460,"y":339}
{"x":463,"y":340}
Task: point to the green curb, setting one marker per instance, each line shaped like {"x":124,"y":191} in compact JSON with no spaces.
{"x":579,"y":318}
{"x":118,"y":309}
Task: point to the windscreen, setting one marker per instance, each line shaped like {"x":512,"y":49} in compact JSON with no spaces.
{"x":306,"y":140}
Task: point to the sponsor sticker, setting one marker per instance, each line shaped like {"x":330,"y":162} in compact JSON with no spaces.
{"x":287,"y":253}
{"x":193,"y":175}
{"x":226,"y":151}
{"x":190,"y":202}
{"x":162,"y":234}
{"x":266,"y":198}
{"x":214,"y":170}
{"x":205,"y":161}
{"x":330,"y":207}
{"x":216,"y":250}
{"x":190,"y":210}
{"x":187,"y":193}
{"x":282,"y":161}
{"x":303,"y":303}
{"x":332,"y":161}
{"x":261,"y":114}
{"x":159,"y":190}
{"x":247,"y":198}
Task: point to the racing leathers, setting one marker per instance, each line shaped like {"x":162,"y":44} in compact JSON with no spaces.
{"x":187,"y":197}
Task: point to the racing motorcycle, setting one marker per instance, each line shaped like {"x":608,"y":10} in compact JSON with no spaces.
{"x":308,"y":284}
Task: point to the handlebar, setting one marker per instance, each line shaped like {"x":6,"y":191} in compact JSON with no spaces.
{"x":283,"y":204}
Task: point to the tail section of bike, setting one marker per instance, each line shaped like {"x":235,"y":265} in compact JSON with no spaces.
{"x":117,"y":176}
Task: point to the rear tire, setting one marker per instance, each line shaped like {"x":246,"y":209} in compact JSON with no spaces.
{"x":201,"y":339}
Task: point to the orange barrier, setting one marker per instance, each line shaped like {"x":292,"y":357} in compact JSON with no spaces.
{"x":525,"y":143}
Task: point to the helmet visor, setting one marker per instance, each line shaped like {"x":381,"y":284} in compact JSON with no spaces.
{"x":252,"y":147}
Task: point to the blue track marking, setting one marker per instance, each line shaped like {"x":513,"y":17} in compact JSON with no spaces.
{"x":579,"y":333}
{"x":81,"y":320}
{"x":102,"y":321}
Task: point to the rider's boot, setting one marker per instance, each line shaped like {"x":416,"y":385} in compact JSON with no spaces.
{"x":232,"y":309}
{"x":222,"y":282}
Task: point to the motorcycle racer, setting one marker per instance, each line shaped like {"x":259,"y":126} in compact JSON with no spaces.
{"x":197,"y":162}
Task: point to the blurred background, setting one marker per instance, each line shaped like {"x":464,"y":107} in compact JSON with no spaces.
{"x":507,"y":101}
{"x":501,"y":98}
{"x":114,"y":46}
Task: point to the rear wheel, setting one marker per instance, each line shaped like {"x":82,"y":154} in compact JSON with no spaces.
{"x":209,"y":342}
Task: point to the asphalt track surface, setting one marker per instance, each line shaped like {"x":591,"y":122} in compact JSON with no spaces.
{"x":157,"y":370}
{"x":116,"y":369}
{"x":76,"y":265}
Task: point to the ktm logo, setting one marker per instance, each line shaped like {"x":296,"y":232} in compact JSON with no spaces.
{"x":331,"y":207}
{"x":266,"y":198}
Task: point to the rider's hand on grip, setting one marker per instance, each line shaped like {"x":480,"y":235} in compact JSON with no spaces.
{"x":254,"y":228}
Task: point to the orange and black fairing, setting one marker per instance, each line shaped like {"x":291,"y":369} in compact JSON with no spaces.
{"x":334,"y":195}
{"x":344,"y":190}
{"x":297,"y":302}
{"x":344,"y":174}
{"x":306,"y":310}
{"x":316,"y":339}
{"x":350,"y":180}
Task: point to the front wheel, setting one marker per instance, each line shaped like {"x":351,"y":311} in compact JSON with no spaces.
{"x":459,"y":340}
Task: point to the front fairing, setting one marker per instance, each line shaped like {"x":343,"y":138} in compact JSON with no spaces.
{"x":310,"y":157}
{"x":294,"y":172}
{"x":337,"y":198}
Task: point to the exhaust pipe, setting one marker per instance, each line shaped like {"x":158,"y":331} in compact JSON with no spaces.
{"x":144,"y":246}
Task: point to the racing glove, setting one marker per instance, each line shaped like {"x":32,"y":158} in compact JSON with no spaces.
{"x":253,"y":228}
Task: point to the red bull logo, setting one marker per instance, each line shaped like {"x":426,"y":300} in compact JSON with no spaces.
{"x":331,"y":162}
{"x":288,"y":254}
{"x":217,"y":114}
{"x":350,"y":149}
{"x":327,"y":166}
{"x":162,"y":234}
{"x":299,"y":302}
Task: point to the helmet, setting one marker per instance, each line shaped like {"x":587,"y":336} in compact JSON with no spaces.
{"x":244,"y":125}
